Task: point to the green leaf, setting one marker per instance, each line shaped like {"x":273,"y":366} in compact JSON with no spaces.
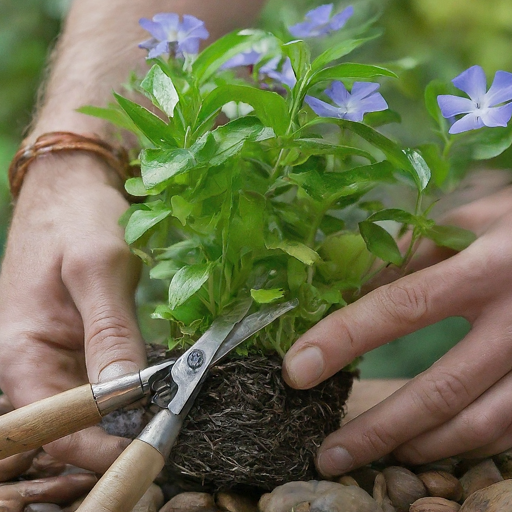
{"x":219,"y":52}
{"x":158,"y":132}
{"x":396,"y":215}
{"x":300,"y":57}
{"x":159,"y":165}
{"x":187,"y":281}
{"x":432,"y":91}
{"x":488,"y":143}
{"x":438,"y":165}
{"x":110,"y":114}
{"x":310,"y":146}
{"x":269,"y":106}
{"x":380,"y":242}
{"x":164,"y":270}
{"x":161,"y":90}
{"x":422,"y":170}
{"x":336,"y":52}
{"x":141,"y":221}
{"x":135,"y":187}
{"x":181,"y":208}
{"x":231,"y":137}
{"x":392,"y":150}
{"x":267,"y":296}
{"x":349,"y":70}
{"x":450,"y":236}
{"x":296,"y":249}
{"x":329,"y":186}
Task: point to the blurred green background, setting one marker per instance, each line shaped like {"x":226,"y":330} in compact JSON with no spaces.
{"x":439,"y":38}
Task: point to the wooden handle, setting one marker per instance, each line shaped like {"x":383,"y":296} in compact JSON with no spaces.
{"x":126,"y":481}
{"x":45,"y":421}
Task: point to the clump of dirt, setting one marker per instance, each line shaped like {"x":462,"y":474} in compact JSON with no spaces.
{"x":248,"y":429}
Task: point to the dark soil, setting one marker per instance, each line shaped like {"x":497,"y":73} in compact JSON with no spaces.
{"x":249,"y":430}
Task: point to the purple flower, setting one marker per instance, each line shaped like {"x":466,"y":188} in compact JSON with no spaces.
{"x":318,"y":22}
{"x":248,"y":58}
{"x":286,"y":76}
{"x":169,"y":33}
{"x":350,"y":105}
{"x":481,"y":108}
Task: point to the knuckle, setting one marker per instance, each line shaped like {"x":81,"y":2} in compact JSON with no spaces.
{"x":342,"y":331}
{"x":108,"y":329}
{"x":442,"y":394}
{"x":80,"y":260}
{"x":405,"y":303}
{"x":483,"y":429}
{"x":379,"y":440}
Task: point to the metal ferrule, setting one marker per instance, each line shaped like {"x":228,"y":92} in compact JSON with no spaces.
{"x":162,"y":431}
{"x":116,"y":393}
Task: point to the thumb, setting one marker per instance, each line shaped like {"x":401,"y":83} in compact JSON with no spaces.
{"x":103,"y":291}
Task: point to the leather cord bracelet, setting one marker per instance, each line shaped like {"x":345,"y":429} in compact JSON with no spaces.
{"x":53,"y":142}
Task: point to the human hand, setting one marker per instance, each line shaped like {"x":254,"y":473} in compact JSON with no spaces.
{"x":461,"y":404}
{"x":66,"y":294}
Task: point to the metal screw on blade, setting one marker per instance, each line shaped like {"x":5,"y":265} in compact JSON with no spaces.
{"x":195,"y":359}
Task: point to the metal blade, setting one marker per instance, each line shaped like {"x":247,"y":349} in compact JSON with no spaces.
{"x":189,"y":369}
{"x":251,"y":325}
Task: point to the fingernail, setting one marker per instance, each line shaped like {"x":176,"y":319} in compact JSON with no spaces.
{"x":334,"y":461}
{"x":114,"y":370}
{"x":306,"y":366}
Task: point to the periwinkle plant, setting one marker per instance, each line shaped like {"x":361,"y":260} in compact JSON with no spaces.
{"x":255,"y":185}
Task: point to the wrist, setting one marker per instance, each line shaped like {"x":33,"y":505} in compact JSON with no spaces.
{"x":67,"y":174}
{"x":115,"y":157}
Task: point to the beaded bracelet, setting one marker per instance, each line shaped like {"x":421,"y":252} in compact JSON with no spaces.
{"x":115,"y":156}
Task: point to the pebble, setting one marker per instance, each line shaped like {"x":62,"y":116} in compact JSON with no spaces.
{"x":442,"y":484}
{"x":42,"y":507}
{"x":494,"y":498}
{"x":479,"y":476}
{"x":190,"y":502}
{"x":233,"y":502}
{"x":434,"y":504}
{"x":346,"y":499}
{"x":403,"y":487}
{"x":152,"y":500}
{"x":323,"y":496}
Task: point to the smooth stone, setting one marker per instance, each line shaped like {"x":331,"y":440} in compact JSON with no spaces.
{"x":152,"y":500}
{"x":190,"y":501}
{"x":42,"y":507}
{"x":233,"y":502}
{"x":347,"y":499}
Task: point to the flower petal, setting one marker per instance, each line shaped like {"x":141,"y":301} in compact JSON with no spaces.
{"x":373,"y":103}
{"x":322,"y":108}
{"x":161,"y":48}
{"x":248,"y":58}
{"x":468,"y":122}
{"x":497,"y":116}
{"x":155,"y":29}
{"x":473,"y":83}
{"x":193,"y":27}
{"x":320,"y":15}
{"x":453,"y":105}
{"x":362,"y":89}
{"x":304,"y":29}
{"x":338,"y":93}
{"x":339,"y":20}
{"x":501,"y":89}
{"x":169,"y":22}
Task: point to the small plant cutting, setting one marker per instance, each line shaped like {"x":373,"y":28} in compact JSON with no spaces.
{"x":265,"y":173}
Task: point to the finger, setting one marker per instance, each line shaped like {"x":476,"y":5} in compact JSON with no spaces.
{"x":426,"y":402}
{"x":92,"y":449}
{"x":481,"y":429}
{"x":384,"y":314}
{"x":102,"y":283}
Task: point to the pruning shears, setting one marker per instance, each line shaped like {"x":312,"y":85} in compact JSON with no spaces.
{"x":173,"y":385}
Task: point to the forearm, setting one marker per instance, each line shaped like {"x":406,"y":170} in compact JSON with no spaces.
{"x":99,"y":48}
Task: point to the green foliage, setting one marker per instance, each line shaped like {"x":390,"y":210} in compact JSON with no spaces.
{"x":276,"y":203}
